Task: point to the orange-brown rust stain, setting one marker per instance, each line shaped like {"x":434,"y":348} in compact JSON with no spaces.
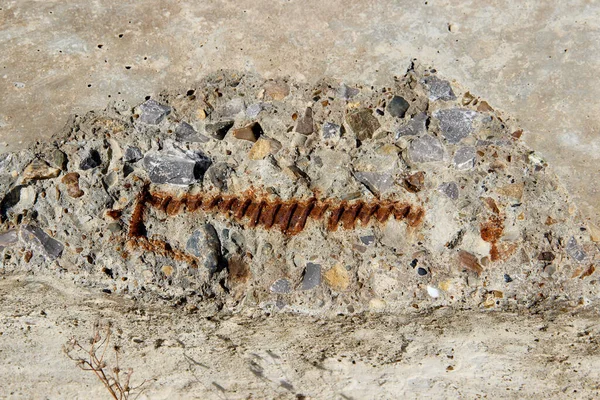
{"x":491,"y":231}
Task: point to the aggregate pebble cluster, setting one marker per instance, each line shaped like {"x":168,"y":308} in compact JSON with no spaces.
{"x":290,"y":197}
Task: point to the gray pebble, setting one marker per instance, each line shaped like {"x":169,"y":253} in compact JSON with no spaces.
{"x":414,"y":126}
{"x":90,"y":160}
{"x":37,"y":238}
{"x":450,"y":189}
{"x":218,"y":130}
{"x":176,"y":167}
{"x":574,"y":250}
{"x":377,"y":182}
{"x":331,"y":131}
{"x":184,"y":132}
{"x":281,"y":286}
{"x":367,"y":240}
{"x":455,"y":124}
{"x":397,"y":107}
{"x":312,"y":276}
{"x":464,"y":158}
{"x":438,"y":89}
{"x":153,"y":112}
{"x":206,"y":246}
{"x":304,"y":125}
{"x":425,"y":149}
{"x":132,"y":154}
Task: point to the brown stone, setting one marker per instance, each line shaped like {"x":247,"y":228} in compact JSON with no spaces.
{"x":250,"y":132}
{"x":363,"y":123}
{"x":469,"y":261}
{"x":304,"y":125}
{"x":71,"y":180}
{"x":416,"y":182}
{"x":514,"y":190}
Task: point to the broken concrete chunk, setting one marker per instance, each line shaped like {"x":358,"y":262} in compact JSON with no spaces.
{"x":132,"y":154}
{"x":251,"y":132}
{"x":415,"y":126}
{"x":153,"y":112}
{"x":425,"y":149}
{"x":176,"y":168}
{"x":438,"y":89}
{"x":91,"y":159}
{"x":304,"y":124}
{"x":574,"y":250}
{"x":40,"y":240}
{"x":263,"y":147}
{"x":184,"y":132}
{"x":464,"y":158}
{"x":363,"y":123}
{"x":376,"y":182}
{"x":281,"y":286}
{"x":455,"y":124}
{"x":450,"y":189}
{"x":218,"y":130}
{"x":205,"y":245}
{"x":312,"y":276}
{"x":38,"y":170}
{"x":397,"y":107}
{"x":331,"y":131}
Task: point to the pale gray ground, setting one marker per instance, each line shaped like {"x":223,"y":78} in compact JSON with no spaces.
{"x":535,"y":60}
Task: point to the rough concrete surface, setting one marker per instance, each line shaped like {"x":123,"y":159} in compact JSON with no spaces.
{"x":535,"y":61}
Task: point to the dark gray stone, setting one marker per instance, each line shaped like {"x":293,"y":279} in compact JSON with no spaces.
{"x":331,"y":131}
{"x":377,"y":182}
{"x":132,"y":154}
{"x":415,"y":126}
{"x":90,"y":160}
{"x":425,"y":149}
{"x":218,"y":130}
{"x":281,"y":286}
{"x":455,"y":124}
{"x":363,"y":123}
{"x":38,"y":239}
{"x":574,"y":250}
{"x":205,"y":245}
{"x":312,"y":276}
{"x":176,"y":168}
{"x":217,"y":174}
{"x":438,"y":88}
{"x":464,"y":158}
{"x":367,"y":240}
{"x":450,"y":189}
{"x":304,"y":124}
{"x":153,"y":112}
{"x":397,"y":107}
{"x":184,"y":132}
